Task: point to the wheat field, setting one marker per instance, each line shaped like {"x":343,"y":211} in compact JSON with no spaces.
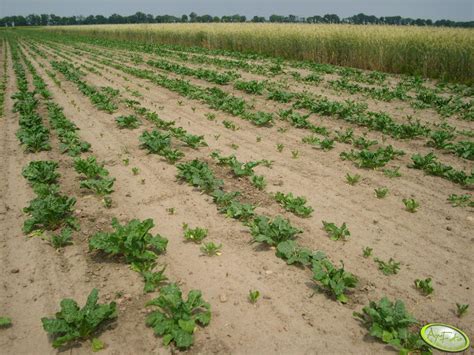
{"x":441,"y":53}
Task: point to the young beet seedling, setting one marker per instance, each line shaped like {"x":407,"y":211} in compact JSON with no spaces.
{"x":258,"y":181}
{"x":5,"y":322}
{"x":253,"y":296}
{"x":230,"y":125}
{"x":62,"y":239}
{"x":129,"y":122}
{"x":425,"y":286}
{"x":107,"y":202}
{"x":326,"y":144}
{"x":195,"y":235}
{"x":352,"y":179}
{"x":280,"y":147}
{"x":135,"y":171}
{"x":388,"y":268}
{"x":367,"y":252}
{"x":391,"y":323}
{"x":461,"y":309}
{"x":335,"y":232}
{"x":73,"y":323}
{"x":411,"y":205}
{"x":211,"y":249}
{"x":392,"y":173}
{"x":295,"y":154}
{"x":381,"y":192}
{"x":210,"y":116}
{"x":460,"y":200}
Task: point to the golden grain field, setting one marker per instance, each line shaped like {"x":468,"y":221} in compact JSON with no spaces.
{"x":443,"y":53}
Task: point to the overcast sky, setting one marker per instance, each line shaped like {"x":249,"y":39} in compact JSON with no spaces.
{"x":460,"y":10}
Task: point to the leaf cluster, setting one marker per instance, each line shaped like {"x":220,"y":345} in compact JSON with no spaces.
{"x":73,"y":323}
{"x":176,"y":319}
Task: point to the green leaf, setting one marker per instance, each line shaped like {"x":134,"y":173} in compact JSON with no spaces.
{"x":97,"y":345}
{"x":187,"y":325}
{"x":5,"y":322}
{"x":175,"y":319}
{"x":131,"y":240}
{"x":182,"y":338}
{"x":290,"y":251}
{"x":167,"y":339}
{"x":72,"y":323}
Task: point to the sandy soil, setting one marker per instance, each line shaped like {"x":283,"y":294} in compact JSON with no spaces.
{"x":290,"y":317}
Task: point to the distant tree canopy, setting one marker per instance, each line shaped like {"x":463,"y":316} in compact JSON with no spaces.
{"x":140,"y":17}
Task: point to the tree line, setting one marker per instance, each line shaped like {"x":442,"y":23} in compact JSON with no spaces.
{"x":140,"y":17}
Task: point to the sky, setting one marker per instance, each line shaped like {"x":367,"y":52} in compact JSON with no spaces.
{"x":457,"y":10}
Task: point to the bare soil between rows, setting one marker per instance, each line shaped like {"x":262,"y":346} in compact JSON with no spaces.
{"x":291,"y":317}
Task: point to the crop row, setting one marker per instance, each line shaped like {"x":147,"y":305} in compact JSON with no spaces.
{"x":379,"y":157}
{"x":52,"y":211}
{"x":278,"y":233}
{"x":155,"y":142}
{"x":425,"y":97}
{"x":463,"y":149}
{"x":383,"y":122}
{"x":33,"y":135}
{"x":4,"y":77}
{"x":102,"y":99}
{"x":238,"y":60}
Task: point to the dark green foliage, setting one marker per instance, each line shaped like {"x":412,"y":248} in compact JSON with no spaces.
{"x":238,"y":210}
{"x":62,"y":239}
{"x":90,"y":168}
{"x":460,"y":200}
{"x":130,"y":122}
{"x":411,"y":205}
{"x":335,"y":281}
{"x":425,"y":286}
{"x":41,"y":172}
{"x":251,"y":87}
{"x":335,"y":232}
{"x":5,"y":322}
{"x":372,"y":159}
{"x":176,"y":319}
{"x":297,"y":205}
{"x":155,"y":141}
{"x":101,"y":187}
{"x":272,"y":232}
{"x":70,"y":142}
{"x":292,"y":253}
{"x":390,"y":323}
{"x":96,"y":176}
{"x":194,"y":234}
{"x":131,"y":240}
{"x":431,"y":166}
{"x":49,"y":211}
{"x":72,"y":323}
{"x":390,"y":267}
{"x":198,"y":173}
{"x":239,"y":169}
